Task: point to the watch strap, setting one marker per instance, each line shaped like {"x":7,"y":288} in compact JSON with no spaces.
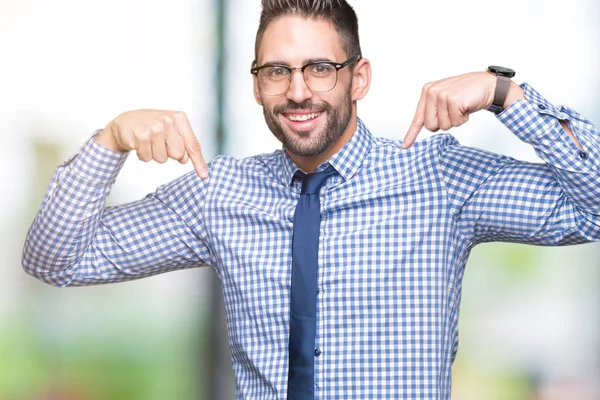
{"x":502,"y":86}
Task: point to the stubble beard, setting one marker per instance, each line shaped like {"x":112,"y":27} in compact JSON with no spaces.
{"x":311,"y":143}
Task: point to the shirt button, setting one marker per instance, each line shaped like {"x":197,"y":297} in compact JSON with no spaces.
{"x":317,"y":352}
{"x":542,"y":107}
{"x":583,"y":155}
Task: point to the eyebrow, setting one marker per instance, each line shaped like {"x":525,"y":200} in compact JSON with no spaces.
{"x":307,"y":61}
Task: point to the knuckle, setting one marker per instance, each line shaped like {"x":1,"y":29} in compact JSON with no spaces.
{"x":157,"y":134}
{"x":167,"y":121}
{"x":434,"y":91}
{"x":142,"y":135}
{"x":194,"y":147}
{"x":454,"y":103}
{"x":156,"y":128}
{"x":179,"y":117}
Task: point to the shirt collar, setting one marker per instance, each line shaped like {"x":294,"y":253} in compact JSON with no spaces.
{"x":350,"y":158}
{"x":346,"y":162}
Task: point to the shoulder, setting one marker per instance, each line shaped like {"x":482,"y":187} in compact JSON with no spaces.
{"x":445,"y":149}
{"x":471,"y":161}
{"x":261,"y":163}
{"x":229,"y":172}
{"x":430,"y":148}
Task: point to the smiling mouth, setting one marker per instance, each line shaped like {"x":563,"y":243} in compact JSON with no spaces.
{"x":303,"y":117}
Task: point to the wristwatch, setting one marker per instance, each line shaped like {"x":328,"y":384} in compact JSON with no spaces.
{"x":503,"y":76}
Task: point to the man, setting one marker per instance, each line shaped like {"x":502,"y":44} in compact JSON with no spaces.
{"x":341,"y":256}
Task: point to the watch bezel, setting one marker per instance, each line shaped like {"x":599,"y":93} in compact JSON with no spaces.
{"x":502,"y":71}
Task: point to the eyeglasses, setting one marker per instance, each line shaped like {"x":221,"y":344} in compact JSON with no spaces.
{"x":319,"y":76}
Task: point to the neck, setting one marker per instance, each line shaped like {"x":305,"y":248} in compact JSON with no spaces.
{"x":310,"y":164}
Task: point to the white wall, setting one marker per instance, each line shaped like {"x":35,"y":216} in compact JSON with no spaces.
{"x":67,"y":68}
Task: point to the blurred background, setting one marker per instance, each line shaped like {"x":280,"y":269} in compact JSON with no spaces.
{"x":530,"y":320}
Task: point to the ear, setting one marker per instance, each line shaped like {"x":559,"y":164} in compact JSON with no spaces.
{"x":256,"y":90}
{"x":361,"y":79}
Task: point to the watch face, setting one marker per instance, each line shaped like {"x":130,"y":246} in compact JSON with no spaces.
{"x":502,"y":71}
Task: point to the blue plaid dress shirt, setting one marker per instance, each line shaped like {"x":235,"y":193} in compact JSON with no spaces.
{"x":397,"y":228}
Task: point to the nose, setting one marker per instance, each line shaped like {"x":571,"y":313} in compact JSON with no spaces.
{"x":298,"y":91}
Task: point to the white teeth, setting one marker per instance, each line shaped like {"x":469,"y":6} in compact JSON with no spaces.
{"x":302,"y":118}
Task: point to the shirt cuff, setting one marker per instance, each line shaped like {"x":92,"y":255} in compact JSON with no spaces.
{"x":537,"y":122}
{"x":528,"y":119}
{"x":96,"y":163}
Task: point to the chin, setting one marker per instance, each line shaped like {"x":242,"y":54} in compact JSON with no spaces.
{"x":307,"y":147}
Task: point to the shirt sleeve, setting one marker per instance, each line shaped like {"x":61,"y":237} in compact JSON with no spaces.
{"x":498,"y":198}
{"x":75,"y":240}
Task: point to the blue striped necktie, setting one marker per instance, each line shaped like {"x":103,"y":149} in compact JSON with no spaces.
{"x":303,"y":306}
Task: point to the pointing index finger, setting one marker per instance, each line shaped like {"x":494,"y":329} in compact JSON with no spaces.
{"x":413,"y":132}
{"x":192,"y":146}
{"x":417,"y":123}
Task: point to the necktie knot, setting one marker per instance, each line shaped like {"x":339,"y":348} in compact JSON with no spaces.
{"x":311,"y":183}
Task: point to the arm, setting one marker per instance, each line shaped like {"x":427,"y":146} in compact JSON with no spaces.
{"x":75,"y":240}
{"x":449,"y":102}
{"x":498,"y":198}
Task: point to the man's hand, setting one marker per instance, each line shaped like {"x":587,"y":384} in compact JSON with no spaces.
{"x":449,"y":102}
{"x":155,"y":135}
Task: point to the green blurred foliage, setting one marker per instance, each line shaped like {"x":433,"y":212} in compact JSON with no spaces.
{"x":116,"y":367}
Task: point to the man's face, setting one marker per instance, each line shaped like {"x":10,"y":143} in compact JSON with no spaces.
{"x":306,"y":122}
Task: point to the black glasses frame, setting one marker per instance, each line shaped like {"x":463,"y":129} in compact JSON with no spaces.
{"x":337,"y":66}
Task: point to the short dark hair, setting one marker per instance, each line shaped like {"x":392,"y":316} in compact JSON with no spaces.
{"x":337,"y":12}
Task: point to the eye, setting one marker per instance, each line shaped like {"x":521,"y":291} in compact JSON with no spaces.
{"x":321,"y":69}
{"x":276,"y":72}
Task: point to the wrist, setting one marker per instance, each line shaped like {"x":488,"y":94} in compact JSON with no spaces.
{"x":106,"y":138}
{"x":503,"y":85}
{"x":515,"y":93}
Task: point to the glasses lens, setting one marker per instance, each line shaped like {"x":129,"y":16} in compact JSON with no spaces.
{"x":274,"y":80}
{"x":320,"y":77}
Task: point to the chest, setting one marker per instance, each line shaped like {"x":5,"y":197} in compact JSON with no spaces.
{"x":366,"y":230}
